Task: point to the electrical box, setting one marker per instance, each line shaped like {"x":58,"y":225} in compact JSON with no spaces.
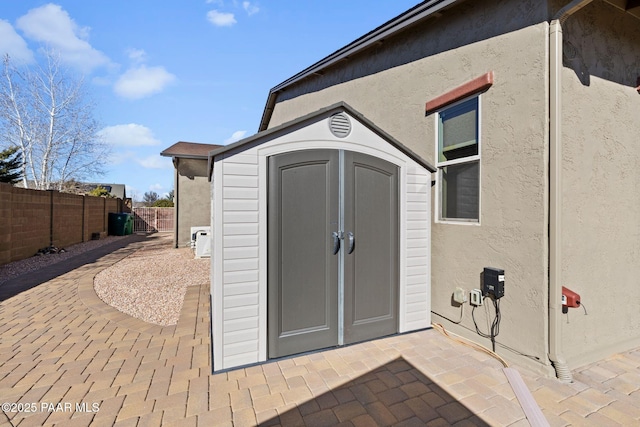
{"x":201,"y":241}
{"x":195,"y":231}
{"x":203,"y":244}
{"x":493,"y":282}
{"x":569,"y":299}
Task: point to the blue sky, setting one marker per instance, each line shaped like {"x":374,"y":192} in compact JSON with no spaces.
{"x":182,"y":70}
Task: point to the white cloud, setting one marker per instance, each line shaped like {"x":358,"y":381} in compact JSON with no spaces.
{"x":250,"y":8}
{"x":101,"y":81}
{"x":156,"y":187}
{"x":137,"y":56}
{"x":143,"y":81}
{"x":155,"y":162}
{"x":120,"y":157}
{"x":221,"y":19}
{"x":237,"y":135}
{"x":52,"y":26}
{"x":129,"y":135}
{"x":11,"y":43}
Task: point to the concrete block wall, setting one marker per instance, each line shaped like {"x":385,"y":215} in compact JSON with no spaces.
{"x":5,"y":218}
{"x":95,"y":217}
{"x":34,"y":219}
{"x":67,"y":213}
{"x":25,"y":223}
{"x":111,"y":205}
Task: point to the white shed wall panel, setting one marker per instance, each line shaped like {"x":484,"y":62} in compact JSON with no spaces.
{"x":231,"y":277}
{"x":240,"y":262}
{"x":246,"y":229}
{"x":240,"y":241}
{"x":241,"y":288}
{"x":417,"y":249}
{"x":240,"y":193}
{"x":239,"y":216}
{"x":240,"y":253}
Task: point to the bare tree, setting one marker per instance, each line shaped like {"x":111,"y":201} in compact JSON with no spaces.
{"x":150,"y":197}
{"x":45,"y":112}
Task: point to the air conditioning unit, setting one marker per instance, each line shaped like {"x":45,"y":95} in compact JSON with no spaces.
{"x":201,"y":241}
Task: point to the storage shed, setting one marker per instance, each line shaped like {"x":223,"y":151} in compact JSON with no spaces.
{"x":321,"y":238}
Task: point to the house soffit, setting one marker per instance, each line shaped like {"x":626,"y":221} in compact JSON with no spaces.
{"x":630,"y":6}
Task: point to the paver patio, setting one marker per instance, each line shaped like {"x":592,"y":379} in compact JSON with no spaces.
{"x":81,"y":362}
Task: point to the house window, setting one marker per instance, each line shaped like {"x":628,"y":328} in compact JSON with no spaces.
{"x":459,"y":162}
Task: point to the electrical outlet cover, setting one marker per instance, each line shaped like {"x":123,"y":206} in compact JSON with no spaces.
{"x":460,"y":296}
{"x":476,"y":297}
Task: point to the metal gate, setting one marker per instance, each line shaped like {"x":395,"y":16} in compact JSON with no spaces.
{"x":153,"y":219}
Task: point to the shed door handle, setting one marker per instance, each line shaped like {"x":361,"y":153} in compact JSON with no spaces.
{"x":336,"y":242}
{"x":352,"y":242}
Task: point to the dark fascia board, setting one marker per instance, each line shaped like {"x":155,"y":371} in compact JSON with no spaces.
{"x":185,"y":156}
{"x":402,"y":21}
{"x":296,"y":123}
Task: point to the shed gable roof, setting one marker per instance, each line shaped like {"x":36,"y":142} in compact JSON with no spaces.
{"x":309,"y":118}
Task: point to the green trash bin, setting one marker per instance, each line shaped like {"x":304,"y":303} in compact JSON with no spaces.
{"x":117,"y":224}
{"x":128,"y":227}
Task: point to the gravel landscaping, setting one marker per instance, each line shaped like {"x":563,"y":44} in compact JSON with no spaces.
{"x":151,"y":283}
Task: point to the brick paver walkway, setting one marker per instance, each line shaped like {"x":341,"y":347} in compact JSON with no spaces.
{"x":69,"y":359}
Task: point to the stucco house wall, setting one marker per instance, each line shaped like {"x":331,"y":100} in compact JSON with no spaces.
{"x":601,"y":201}
{"x":193,"y":207}
{"x":192,"y":193}
{"x":389,"y":74}
{"x":390,"y":86}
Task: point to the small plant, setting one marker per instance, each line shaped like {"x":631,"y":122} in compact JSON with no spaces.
{"x":99,"y":191}
{"x":163,"y":203}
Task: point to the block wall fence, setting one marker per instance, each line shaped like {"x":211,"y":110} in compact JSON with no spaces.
{"x":34,"y":219}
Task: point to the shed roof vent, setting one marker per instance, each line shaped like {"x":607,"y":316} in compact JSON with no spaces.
{"x":340,"y":125}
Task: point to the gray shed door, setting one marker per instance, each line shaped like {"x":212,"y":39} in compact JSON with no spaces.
{"x":332,"y":251}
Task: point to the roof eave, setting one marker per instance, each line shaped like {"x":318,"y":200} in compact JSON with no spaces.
{"x":186,"y":156}
{"x":185,"y":150}
{"x":402,"y":21}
